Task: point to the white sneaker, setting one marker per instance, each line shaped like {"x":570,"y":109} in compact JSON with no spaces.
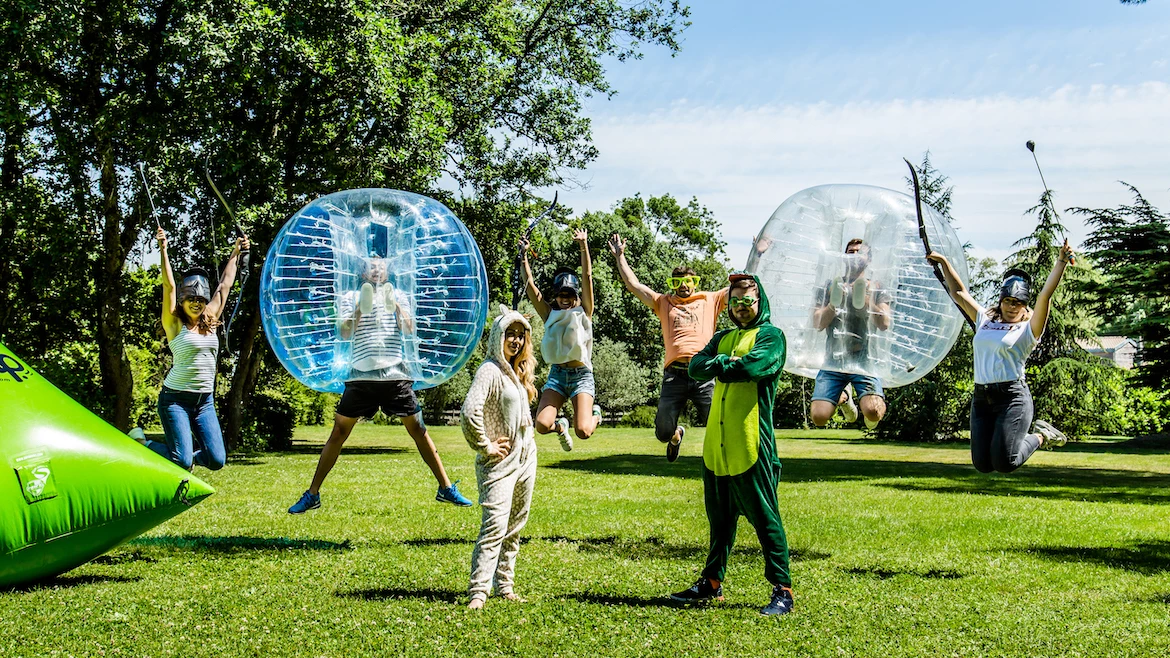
{"x":563,"y":434}
{"x":366,"y":299}
{"x":1053,"y":438}
{"x":859,"y":289}
{"x":138,"y":435}
{"x":848,"y":407}
{"x":389,"y":300}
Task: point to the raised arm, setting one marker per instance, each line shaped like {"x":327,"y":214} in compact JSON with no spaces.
{"x":170,"y":321}
{"x":617,"y":245}
{"x":581,"y":237}
{"x":218,"y":299}
{"x":955,"y":287}
{"x":1044,"y":299}
{"x":534,"y":296}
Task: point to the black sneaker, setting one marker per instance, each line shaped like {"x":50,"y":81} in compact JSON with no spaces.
{"x":672,"y":447}
{"x":781,"y":603}
{"x":700,"y":592}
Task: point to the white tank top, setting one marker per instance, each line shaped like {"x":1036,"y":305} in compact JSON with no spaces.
{"x":568,"y":336}
{"x":194,"y":367}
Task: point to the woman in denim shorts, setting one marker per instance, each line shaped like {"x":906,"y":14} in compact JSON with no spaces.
{"x":568,"y":348}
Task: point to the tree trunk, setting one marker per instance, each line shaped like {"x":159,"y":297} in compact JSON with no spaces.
{"x":243,"y":380}
{"x":117,"y":377}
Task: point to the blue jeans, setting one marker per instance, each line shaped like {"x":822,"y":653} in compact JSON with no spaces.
{"x":570,"y":382}
{"x":191,"y":429}
{"x":830,"y":383}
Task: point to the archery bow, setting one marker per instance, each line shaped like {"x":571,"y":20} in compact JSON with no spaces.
{"x":926,"y":239}
{"x":244,"y":255}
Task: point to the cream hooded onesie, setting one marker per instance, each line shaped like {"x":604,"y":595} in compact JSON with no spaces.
{"x":497,"y":405}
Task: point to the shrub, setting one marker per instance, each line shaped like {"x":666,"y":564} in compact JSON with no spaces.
{"x":641,"y":416}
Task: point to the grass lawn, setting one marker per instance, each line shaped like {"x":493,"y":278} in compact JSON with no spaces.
{"x":898,"y":550}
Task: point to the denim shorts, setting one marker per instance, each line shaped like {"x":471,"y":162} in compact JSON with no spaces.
{"x":830,"y":384}
{"x":570,"y":382}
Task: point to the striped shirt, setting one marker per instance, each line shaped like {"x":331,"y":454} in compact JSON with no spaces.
{"x":195,"y":357}
{"x":377,"y":342}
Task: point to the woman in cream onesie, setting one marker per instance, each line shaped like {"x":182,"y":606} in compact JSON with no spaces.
{"x":497,"y":423}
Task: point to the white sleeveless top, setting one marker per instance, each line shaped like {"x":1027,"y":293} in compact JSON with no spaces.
{"x":1001,"y":349}
{"x":194,"y":367}
{"x":568,"y":336}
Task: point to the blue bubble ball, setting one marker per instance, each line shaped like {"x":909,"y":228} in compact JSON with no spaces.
{"x":332,"y":254}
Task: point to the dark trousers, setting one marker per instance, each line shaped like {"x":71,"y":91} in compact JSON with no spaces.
{"x":751,"y":494}
{"x":1001,"y":415}
{"x":677,"y":388}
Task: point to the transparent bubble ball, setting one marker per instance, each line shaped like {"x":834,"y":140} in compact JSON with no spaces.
{"x":800,"y":258}
{"x":317,"y":263}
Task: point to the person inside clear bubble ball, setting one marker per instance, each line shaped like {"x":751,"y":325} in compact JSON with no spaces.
{"x":375,"y":319}
{"x":847,"y":309}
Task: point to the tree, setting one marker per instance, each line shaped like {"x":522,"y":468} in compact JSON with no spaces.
{"x":621,"y":383}
{"x":284,"y":103}
{"x":937,"y":405}
{"x":1131,"y":243}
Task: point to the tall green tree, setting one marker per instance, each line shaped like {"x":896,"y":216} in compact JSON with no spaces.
{"x":284,"y":101}
{"x":1131,"y":245}
{"x":937,"y":405}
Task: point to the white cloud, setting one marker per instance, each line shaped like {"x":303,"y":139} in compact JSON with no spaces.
{"x":743,"y":160}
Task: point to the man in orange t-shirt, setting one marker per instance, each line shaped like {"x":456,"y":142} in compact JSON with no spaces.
{"x":688,"y":317}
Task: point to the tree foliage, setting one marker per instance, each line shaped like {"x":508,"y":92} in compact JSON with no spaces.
{"x":1131,"y":243}
{"x":284,"y":102}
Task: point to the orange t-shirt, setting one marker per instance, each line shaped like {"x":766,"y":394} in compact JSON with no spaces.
{"x":688,"y":323}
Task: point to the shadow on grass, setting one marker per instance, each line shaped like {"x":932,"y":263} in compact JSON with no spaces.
{"x":650,"y":548}
{"x":885,"y":574}
{"x":1149,"y":558}
{"x":238,"y":544}
{"x":315,"y":449}
{"x":122,"y":558}
{"x":399,"y":594}
{"x":68,"y":582}
{"x":1063,"y":483}
{"x":663,"y":601}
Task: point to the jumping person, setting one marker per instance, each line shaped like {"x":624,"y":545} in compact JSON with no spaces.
{"x":186,"y":405}
{"x":497,"y":423}
{"x":846,"y":307}
{"x":568,"y":347}
{"x":688,"y":317}
{"x":1001,"y":409}
{"x":740,"y":465}
{"x":375,"y":319}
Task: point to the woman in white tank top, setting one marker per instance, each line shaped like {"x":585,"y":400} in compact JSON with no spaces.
{"x":1005,"y":335}
{"x":186,"y":405}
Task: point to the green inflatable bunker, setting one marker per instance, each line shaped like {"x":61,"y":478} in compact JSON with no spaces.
{"x":73,"y":487}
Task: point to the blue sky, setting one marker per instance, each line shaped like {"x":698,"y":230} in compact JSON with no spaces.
{"x":768,"y":98}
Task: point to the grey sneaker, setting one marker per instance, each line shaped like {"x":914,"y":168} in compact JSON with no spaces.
{"x":1053,"y":438}
{"x":563,"y":434}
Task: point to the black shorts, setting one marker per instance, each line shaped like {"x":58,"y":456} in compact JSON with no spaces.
{"x":363,"y":399}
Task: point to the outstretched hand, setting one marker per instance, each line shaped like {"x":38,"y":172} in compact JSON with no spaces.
{"x":580,"y":236}
{"x":617,"y":245}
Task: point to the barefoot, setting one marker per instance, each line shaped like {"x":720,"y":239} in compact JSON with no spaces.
{"x":476,"y":604}
{"x":512,"y":596}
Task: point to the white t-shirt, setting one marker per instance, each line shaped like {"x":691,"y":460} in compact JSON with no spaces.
{"x":377,"y":341}
{"x":568,"y":336}
{"x":1001,"y":348}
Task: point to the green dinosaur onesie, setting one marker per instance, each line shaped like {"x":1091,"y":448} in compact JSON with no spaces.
{"x":740,"y":466}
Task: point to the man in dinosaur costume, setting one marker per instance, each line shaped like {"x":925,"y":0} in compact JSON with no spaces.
{"x":740,"y":466}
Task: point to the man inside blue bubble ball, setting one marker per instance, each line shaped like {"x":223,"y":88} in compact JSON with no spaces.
{"x":846,"y":309}
{"x":375,"y":318}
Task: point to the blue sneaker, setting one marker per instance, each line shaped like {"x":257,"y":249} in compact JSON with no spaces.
{"x":451,"y":495}
{"x":307,"y":502}
{"x":781,"y":603}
